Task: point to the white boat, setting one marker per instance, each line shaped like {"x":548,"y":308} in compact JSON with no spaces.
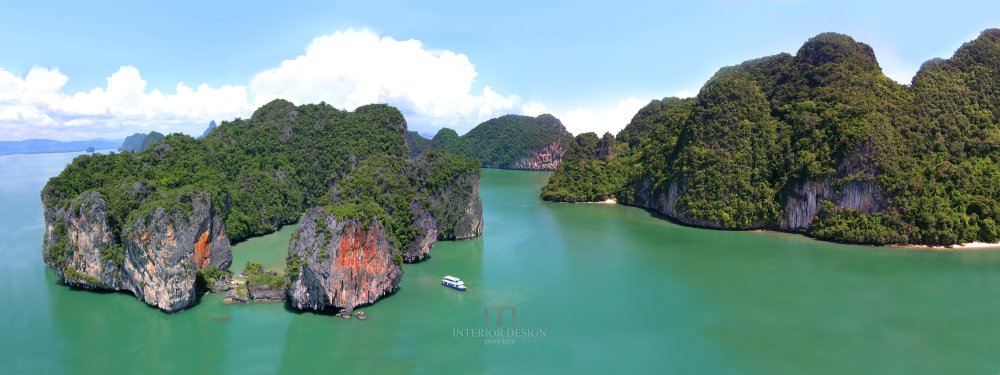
{"x":453,"y":282}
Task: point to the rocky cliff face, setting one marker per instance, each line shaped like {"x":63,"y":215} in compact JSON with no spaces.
{"x":158,"y":255}
{"x":164,"y":251}
{"x":801,"y":204}
{"x":664,"y":202}
{"x":420,"y":248}
{"x":266,"y":292}
{"x":454,"y":212}
{"x":459,"y":210}
{"x":340,"y":263}
{"x":545,"y":159}
{"x":78,"y":243}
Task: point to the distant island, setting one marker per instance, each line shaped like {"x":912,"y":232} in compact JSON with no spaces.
{"x":506,"y":142}
{"x":140,"y":141}
{"x":38,"y":146}
{"x":158,"y":222}
{"x":820,"y":143}
{"x":211,"y":126}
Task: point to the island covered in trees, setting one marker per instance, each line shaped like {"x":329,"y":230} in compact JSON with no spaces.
{"x":506,"y":142}
{"x":820,"y":142}
{"x":158,"y":222}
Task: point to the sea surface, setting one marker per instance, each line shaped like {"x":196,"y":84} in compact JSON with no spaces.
{"x":581,"y":288}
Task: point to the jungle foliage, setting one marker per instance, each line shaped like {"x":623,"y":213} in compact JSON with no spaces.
{"x":734,"y":153}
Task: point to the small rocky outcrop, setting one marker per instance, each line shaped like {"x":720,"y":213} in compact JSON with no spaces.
{"x":265,"y":293}
{"x":221,"y":284}
{"x":340,"y":263}
{"x":157,"y":258}
{"x":239,"y":294}
{"x":266,"y":286}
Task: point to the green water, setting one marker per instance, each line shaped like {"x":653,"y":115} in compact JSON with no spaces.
{"x":613,"y":289}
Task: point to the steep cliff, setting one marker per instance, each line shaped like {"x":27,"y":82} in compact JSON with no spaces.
{"x":79,"y":244}
{"x":340,"y":263}
{"x":819,"y":142}
{"x":431,"y":197}
{"x":157,"y":258}
{"x":452,"y":190}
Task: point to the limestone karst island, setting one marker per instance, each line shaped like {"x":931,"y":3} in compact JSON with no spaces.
{"x":722,"y":187}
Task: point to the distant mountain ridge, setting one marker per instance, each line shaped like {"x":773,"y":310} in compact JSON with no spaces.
{"x":140,"y":141}
{"x":506,"y":142}
{"x":37,"y":146}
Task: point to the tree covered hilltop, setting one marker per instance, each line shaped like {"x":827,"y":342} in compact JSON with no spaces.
{"x":506,"y":142}
{"x":821,"y":142}
{"x":151,"y":221}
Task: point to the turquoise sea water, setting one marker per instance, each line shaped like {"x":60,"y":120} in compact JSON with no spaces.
{"x":598,"y":288}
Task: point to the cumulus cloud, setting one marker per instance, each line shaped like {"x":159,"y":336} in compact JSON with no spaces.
{"x":34,"y":106}
{"x":600,"y":120}
{"x":683,"y":94}
{"x":433,"y":88}
{"x":532,"y":109}
{"x":350,"y":68}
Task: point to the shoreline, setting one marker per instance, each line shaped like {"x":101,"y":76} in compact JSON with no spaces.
{"x":972,"y":246}
{"x":608,"y":201}
{"x":956,"y":247}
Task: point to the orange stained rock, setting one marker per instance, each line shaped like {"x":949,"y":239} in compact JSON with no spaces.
{"x":202,"y":249}
{"x":354,"y":249}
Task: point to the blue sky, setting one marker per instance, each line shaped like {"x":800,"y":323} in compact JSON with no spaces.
{"x":107,"y":69}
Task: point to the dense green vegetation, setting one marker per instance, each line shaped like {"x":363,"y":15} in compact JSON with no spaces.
{"x":261,"y":172}
{"x":61,"y":249}
{"x":265,"y":171}
{"x":417,"y":143}
{"x":207,"y":277}
{"x":394,"y":190}
{"x":499,"y":142}
{"x":734,"y":155}
{"x":256,"y":275}
{"x":588,"y":172}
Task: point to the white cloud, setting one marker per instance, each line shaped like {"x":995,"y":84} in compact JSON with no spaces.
{"x":433,"y":88}
{"x":347,"y":69}
{"x":685,"y":94}
{"x":609,"y":119}
{"x":34,"y":106}
{"x":532,"y":109}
